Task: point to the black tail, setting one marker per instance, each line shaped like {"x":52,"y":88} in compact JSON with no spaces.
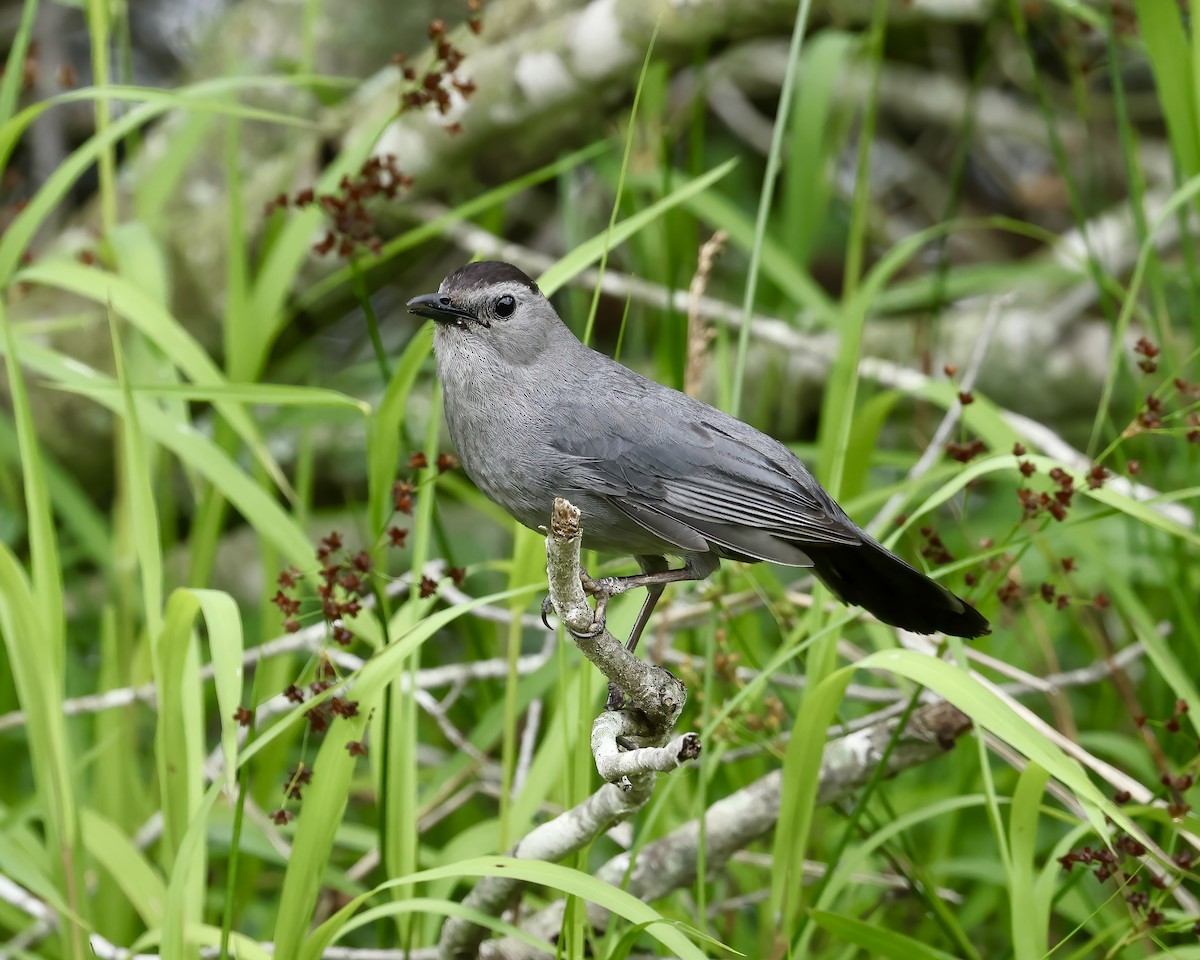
{"x":871,"y":577}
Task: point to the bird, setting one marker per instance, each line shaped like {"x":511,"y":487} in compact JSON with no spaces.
{"x":535,"y":414}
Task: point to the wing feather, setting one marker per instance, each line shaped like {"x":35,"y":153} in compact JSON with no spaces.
{"x":700,"y":477}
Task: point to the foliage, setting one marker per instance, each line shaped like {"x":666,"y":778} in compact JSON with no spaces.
{"x":293,"y":762}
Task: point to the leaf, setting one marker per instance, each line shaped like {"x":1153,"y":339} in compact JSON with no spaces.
{"x":1030,"y":916}
{"x":588,"y":252}
{"x":385,"y":430}
{"x":125,"y":864}
{"x":877,"y":940}
{"x":155,"y":322}
{"x":193,"y":448}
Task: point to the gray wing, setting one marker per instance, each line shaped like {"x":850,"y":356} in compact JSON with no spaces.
{"x":696,"y":477}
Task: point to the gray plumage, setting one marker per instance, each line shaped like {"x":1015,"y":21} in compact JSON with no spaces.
{"x":535,"y":414}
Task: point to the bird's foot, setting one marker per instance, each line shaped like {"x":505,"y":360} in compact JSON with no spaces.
{"x":603,"y":587}
{"x":600,"y":589}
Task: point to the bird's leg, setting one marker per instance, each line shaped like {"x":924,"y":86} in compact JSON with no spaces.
{"x":651,"y":565}
{"x":654,"y":578}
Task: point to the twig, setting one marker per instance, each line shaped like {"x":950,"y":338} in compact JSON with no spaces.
{"x":552,"y":841}
{"x":617,"y":765}
{"x":533,"y":721}
{"x":700,"y":334}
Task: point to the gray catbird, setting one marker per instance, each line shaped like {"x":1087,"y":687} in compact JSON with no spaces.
{"x":535,"y":414}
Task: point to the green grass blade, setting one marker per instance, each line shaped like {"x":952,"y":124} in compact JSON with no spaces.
{"x":193,"y":449}
{"x":588,"y":252}
{"x":43,"y":541}
{"x":766,"y":195}
{"x":876,"y":940}
{"x":153,"y":320}
{"x":1030,"y":915}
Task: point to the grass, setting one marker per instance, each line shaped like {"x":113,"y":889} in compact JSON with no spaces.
{"x":188,"y":819}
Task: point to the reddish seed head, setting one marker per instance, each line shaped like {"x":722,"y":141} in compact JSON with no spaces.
{"x":1146,"y":348}
{"x":428,"y":587}
{"x":418,"y":461}
{"x":243,"y":716}
{"x":446,"y":461}
{"x":356,"y":748}
{"x":436,"y":28}
{"x":294,"y":693}
{"x":965,"y":397}
{"x":281,"y":817}
{"x":458,"y":575}
{"x":318,"y":719}
{"x":1018,"y":450}
{"x":1102,"y":601}
{"x":396,"y":537}
{"x":1027,"y":469}
{"x":475,"y":25}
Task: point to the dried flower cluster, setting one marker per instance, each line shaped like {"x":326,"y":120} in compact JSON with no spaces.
{"x":434,"y":84}
{"x":343,"y":582}
{"x":352,"y":226}
{"x":1154,"y":412}
{"x":769,"y":717}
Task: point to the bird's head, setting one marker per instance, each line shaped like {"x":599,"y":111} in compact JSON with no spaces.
{"x":490,"y":310}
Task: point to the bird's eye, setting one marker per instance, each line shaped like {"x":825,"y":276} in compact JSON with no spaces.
{"x":505,"y":306}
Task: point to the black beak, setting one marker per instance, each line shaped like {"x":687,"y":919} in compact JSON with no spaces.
{"x":438,"y":307}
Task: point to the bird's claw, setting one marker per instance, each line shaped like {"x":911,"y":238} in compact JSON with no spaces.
{"x":602,"y":589}
{"x":595,"y":629}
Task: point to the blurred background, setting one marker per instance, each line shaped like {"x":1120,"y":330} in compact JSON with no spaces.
{"x":944,"y":249}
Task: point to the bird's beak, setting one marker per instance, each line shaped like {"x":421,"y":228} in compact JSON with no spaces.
{"x":437,"y":307}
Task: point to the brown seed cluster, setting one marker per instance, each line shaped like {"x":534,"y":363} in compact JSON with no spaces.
{"x":767,"y":718}
{"x":1138,"y":880}
{"x":1154,"y":412}
{"x":1148,"y":353}
{"x":933,"y":549}
{"x":966,"y":451}
{"x":344,"y":580}
{"x":433,"y":85}
{"x":352,"y":226}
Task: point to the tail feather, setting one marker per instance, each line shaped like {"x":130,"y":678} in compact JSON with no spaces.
{"x":870,"y":576}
